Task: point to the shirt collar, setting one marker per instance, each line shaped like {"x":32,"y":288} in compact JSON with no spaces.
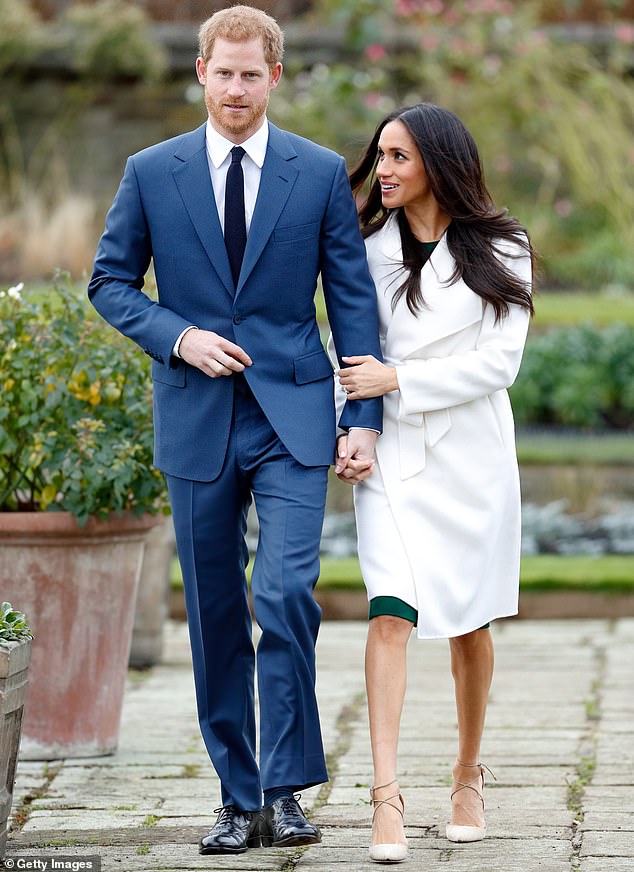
{"x":255,"y":146}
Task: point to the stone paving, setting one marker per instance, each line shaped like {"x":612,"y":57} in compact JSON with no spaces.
{"x":560,"y":738}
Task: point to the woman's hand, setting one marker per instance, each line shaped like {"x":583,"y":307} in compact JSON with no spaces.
{"x":367,"y":377}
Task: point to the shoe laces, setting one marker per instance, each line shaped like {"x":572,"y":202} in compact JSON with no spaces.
{"x":225,"y":816}
{"x":290,"y":804}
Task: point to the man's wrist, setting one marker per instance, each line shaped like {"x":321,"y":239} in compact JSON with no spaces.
{"x":177,"y":344}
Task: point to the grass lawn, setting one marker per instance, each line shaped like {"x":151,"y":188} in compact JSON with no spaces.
{"x":608,"y":574}
{"x":555,"y":309}
{"x":562,"y":310}
{"x":547,"y":448}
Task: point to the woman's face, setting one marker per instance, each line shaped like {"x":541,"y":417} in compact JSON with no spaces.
{"x":400,"y":169}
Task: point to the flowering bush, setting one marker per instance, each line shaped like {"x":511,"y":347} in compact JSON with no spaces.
{"x":553,"y":121}
{"x":76,"y":415}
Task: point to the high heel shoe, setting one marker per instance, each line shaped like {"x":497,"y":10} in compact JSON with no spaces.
{"x":456,"y":833}
{"x":394,"y":852}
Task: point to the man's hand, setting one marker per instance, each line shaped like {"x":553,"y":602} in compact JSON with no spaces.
{"x":212,"y":354}
{"x":367,"y":377}
{"x":355,"y":455}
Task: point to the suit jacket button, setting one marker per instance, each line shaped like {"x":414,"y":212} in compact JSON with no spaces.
{"x":237,"y":319}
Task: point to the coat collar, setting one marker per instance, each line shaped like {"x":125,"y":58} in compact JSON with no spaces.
{"x":191,"y":173}
{"x":448,"y":308}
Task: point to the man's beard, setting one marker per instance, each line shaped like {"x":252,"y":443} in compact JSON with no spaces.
{"x":236,"y":124}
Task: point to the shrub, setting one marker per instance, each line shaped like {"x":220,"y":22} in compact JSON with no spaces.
{"x":20,"y":35}
{"x":76,"y":417}
{"x":554,"y":123}
{"x":578,"y":377}
{"x":110,"y":40}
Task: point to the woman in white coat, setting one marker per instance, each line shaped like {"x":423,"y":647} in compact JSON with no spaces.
{"x":438,"y":516}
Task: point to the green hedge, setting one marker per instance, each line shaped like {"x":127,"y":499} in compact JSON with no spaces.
{"x":578,"y":377}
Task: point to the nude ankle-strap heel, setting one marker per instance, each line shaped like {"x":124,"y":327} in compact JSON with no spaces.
{"x":390,"y":852}
{"x":457,"y":833}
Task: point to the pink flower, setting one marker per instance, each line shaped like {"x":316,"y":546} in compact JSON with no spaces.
{"x":406,"y":7}
{"x":564,"y":208}
{"x":375,"y":52}
{"x":372,"y":100}
{"x":624,"y":33}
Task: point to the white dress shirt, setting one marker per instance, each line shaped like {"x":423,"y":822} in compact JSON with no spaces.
{"x":219,"y":160}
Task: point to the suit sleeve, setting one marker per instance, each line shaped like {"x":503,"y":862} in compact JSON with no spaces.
{"x":350,"y":294}
{"x":122,"y":260}
{"x":442,"y":382}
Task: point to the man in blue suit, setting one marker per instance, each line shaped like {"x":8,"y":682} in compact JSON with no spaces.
{"x":240,"y":218}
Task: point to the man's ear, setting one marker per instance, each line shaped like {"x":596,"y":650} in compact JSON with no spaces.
{"x":276,"y":75}
{"x":201,"y":70}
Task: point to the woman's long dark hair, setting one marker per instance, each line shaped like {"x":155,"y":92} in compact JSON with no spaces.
{"x":452,"y":164}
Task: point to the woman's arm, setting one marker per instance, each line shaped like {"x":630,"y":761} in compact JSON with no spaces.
{"x":441,"y":382}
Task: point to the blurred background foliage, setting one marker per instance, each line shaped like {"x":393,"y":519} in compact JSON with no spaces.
{"x":553,"y":119}
{"x":83,"y":84}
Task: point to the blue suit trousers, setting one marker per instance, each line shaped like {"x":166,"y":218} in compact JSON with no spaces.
{"x":210,"y":522}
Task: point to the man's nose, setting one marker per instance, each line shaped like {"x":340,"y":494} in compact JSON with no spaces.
{"x":236,"y":87}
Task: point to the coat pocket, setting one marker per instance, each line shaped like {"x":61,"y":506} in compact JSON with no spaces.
{"x":312,"y":367}
{"x":296,"y":232}
{"x":168,"y":375}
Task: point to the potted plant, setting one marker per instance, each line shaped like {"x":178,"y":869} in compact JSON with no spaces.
{"x":78,"y":494}
{"x":15,"y":654}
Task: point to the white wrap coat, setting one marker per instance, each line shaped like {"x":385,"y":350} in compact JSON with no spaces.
{"x":438,"y":521}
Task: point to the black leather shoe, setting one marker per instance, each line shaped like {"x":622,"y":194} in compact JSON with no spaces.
{"x":284,"y":825}
{"x":234,"y":832}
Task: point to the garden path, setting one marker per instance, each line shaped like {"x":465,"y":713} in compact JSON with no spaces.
{"x":560,"y":739}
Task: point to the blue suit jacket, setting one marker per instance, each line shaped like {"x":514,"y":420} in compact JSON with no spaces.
{"x":304,"y":223}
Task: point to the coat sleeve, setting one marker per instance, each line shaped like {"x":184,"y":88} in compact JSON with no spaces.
{"x":442,"y":382}
{"x":350,"y":294}
{"x":122,"y":260}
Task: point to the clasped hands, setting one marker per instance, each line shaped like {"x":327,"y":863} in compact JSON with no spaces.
{"x":365,"y":377}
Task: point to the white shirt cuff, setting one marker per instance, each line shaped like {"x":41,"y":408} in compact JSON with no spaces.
{"x":177,"y":344}
{"x":341,"y":432}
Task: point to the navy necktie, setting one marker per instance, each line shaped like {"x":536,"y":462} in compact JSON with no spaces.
{"x":235,"y":222}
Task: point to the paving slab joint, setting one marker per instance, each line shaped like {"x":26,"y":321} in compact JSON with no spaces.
{"x":586,"y":757}
{"x":346,"y":720}
{"x":291,"y":862}
{"x":25,"y":807}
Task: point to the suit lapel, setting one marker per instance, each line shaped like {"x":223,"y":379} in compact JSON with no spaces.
{"x":192,"y":178}
{"x":276,"y":183}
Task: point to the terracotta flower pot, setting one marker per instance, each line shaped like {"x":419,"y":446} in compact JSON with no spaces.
{"x":14,"y":665}
{"x":152,"y":596}
{"x":78,"y":587}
